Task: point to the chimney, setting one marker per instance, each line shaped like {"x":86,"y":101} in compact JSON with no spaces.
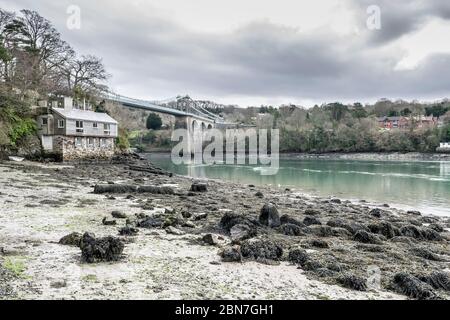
{"x":68,"y":103}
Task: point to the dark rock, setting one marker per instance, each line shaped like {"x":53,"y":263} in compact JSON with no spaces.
{"x":298,"y":256}
{"x":186,"y":214}
{"x":114,"y":188}
{"x":289,"y":229}
{"x":431,"y":234}
{"x":416,"y":213}
{"x":337,"y":201}
{"x":231,"y":219}
{"x":412,"y":287}
{"x":199,"y":187}
{"x":259,"y":194}
{"x":384,"y":228}
{"x":437,"y":279}
{"x":352,"y":282}
{"x":231,"y":254}
{"x":365,"y":237}
{"x":426,"y":254}
{"x":211,"y":239}
{"x":269,"y":216}
{"x":155,"y":190}
{"x":312,"y":212}
{"x":118,"y":215}
{"x":100,"y":249}
{"x":241,"y":232}
{"x":261,"y":249}
{"x":312,"y":265}
{"x":420,"y":234}
{"x":150,"y":222}
{"x":128,"y":231}
{"x":321,"y":231}
{"x":72,"y":239}
{"x":436,"y":227}
{"x":308,"y":221}
{"x":319,"y":243}
{"x":108,"y":222}
{"x":341,"y":232}
{"x":199,"y":216}
{"x":286,"y":219}
{"x":376,"y":212}
{"x":324,"y":273}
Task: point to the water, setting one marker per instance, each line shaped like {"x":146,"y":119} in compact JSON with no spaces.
{"x":410,"y":185}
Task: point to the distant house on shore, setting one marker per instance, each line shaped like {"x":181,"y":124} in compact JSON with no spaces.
{"x":444,"y":147}
{"x":406,"y":122}
{"x":74,"y":132}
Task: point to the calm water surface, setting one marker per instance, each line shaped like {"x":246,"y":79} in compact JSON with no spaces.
{"x":423,"y":186}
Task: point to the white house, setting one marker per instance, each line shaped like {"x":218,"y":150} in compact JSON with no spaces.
{"x":76,"y":133}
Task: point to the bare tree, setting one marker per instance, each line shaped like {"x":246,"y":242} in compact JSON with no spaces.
{"x":85,"y":73}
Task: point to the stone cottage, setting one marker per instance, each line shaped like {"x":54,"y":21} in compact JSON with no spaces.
{"x":74,"y":132}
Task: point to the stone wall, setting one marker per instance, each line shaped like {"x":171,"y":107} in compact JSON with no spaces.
{"x":72,"y":152}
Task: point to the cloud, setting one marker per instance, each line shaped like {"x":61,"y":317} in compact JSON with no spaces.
{"x":152,"y":56}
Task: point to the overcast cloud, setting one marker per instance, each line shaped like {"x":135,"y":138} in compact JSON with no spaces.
{"x":264,"y":51}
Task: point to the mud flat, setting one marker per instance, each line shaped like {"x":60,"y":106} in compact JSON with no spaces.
{"x":186,"y":239}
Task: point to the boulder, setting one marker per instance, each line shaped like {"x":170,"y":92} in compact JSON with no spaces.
{"x":72,"y":239}
{"x":352,"y":282}
{"x":108,"y":222}
{"x":412,"y":287}
{"x":155,"y":189}
{"x":437,"y":279}
{"x":384,"y":228}
{"x":199,"y":187}
{"x":230,"y":219}
{"x":231,"y":254}
{"x":298,"y":256}
{"x":376,"y":213}
{"x":286,"y":219}
{"x":150,"y":222}
{"x":261,"y":249}
{"x":211,"y":239}
{"x":290,"y":229}
{"x":128,"y":231}
{"x":308,"y":221}
{"x":365,"y":237}
{"x":312,"y":212}
{"x":259,"y":194}
{"x":118,"y":215}
{"x":114,"y":188}
{"x":321,"y":231}
{"x":100,"y":249}
{"x":269,"y":216}
{"x":240,"y":232}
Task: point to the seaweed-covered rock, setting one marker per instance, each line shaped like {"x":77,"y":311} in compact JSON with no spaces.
{"x":199,"y":187}
{"x":118,"y":215}
{"x":321,"y":231}
{"x":150,"y":222}
{"x":437,"y":279}
{"x":259,"y":194}
{"x":290,"y":229}
{"x":230,"y":219}
{"x":311,"y":221}
{"x":287,"y":219}
{"x":100,"y":249}
{"x":312,"y":212}
{"x":156,"y":189}
{"x":376,"y":212}
{"x":269,"y":216}
{"x":412,"y":287}
{"x":298,"y":256}
{"x":114,"y":188}
{"x":231,"y":254}
{"x":72,"y":239}
{"x":436,"y":227}
{"x":420,"y":233}
{"x":426,"y":254}
{"x":241,"y":232}
{"x":261,"y":249}
{"x":365,"y":237}
{"x":128,"y":231}
{"x":384,"y":228}
{"x":211,"y":239}
{"x":108,"y":222}
{"x":352,"y":282}
{"x":319,"y":243}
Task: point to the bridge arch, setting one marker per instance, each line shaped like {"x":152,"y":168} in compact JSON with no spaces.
{"x":210,"y":126}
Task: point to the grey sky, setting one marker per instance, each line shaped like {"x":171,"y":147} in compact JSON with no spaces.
{"x":260,"y":52}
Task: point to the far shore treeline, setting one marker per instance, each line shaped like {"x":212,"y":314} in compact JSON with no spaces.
{"x":36,"y":62}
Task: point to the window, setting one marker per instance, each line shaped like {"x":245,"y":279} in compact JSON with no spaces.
{"x":106,"y":128}
{"x":95,"y":125}
{"x":91,"y":142}
{"x":103,"y":142}
{"x":44,"y":121}
{"x":60,"y":124}
{"x":79,"y":126}
{"x":78,"y":142}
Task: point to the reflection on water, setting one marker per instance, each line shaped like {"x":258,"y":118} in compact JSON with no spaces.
{"x":423,"y":186}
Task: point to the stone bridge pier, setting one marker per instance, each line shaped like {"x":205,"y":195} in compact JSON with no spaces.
{"x":196,"y":127}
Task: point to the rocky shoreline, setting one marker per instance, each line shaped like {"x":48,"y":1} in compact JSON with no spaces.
{"x":126,"y":229}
